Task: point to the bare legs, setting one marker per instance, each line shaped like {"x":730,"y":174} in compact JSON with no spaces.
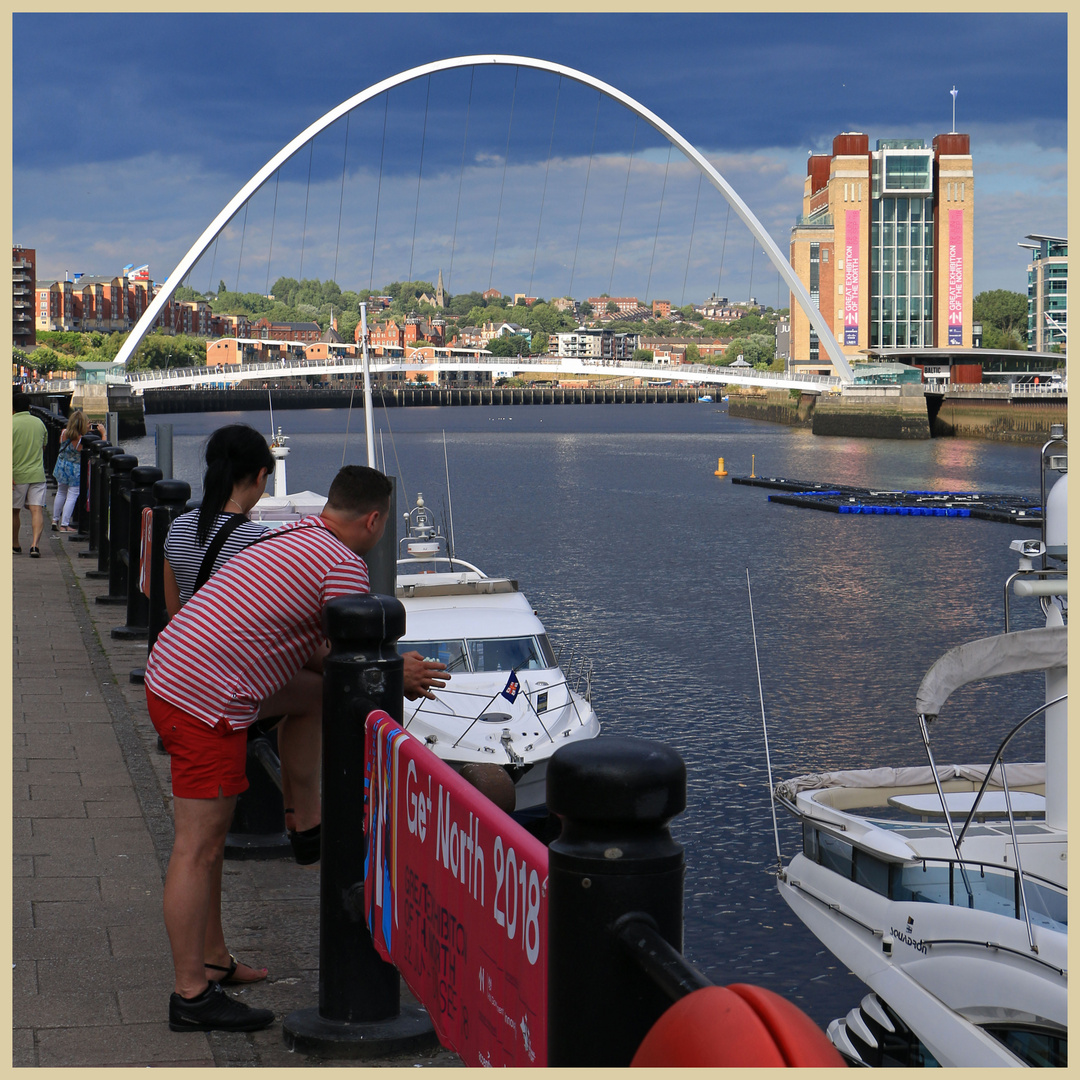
{"x":193,"y":888}
{"x":300,"y":746}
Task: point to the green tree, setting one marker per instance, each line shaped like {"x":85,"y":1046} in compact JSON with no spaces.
{"x":1003,"y":310}
{"x":693,"y":354}
{"x":611,"y":307}
{"x":642,"y":356}
{"x":540,"y":342}
{"x":758,"y":350}
{"x":585,"y":309}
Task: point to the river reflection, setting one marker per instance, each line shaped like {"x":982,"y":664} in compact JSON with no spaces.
{"x":625,"y":542}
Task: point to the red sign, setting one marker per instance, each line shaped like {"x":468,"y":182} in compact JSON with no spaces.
{"x":956,"y":277}
{"x":456,"y":896}
{"x":852,"y":263}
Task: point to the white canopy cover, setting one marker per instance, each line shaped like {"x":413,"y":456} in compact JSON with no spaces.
{"x":987,"y":658}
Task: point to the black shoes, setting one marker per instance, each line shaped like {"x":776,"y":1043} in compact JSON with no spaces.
{"x":306,"y":845}
{"x":214,"y":1010}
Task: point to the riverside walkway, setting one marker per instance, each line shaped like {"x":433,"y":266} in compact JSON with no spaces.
{"x":92,"y":832}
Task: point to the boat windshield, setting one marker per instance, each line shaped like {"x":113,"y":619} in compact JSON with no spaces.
{"x":487,"y":654}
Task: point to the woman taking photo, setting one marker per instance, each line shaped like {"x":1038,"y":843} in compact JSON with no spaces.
{"x":67,"y":470}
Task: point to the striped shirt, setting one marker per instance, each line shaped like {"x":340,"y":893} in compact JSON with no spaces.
{"x":185,"y":553}
{"x":254,"y":624}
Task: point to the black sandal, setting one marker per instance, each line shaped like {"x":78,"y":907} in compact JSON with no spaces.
{"x":227,"y":979}
{"x":35,"y":553}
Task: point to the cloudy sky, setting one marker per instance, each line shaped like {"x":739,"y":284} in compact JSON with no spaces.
{"x":140,"y":128}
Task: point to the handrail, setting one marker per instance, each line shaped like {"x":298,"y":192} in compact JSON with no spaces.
{"x":997,"y":757}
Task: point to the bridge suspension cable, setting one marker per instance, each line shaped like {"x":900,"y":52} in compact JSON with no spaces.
{"x":179,"y":274}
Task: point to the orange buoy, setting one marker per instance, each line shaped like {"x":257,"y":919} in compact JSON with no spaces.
{"x":720,"y":470}
{"x":751,"y":466}
{"x":736,"y":1026}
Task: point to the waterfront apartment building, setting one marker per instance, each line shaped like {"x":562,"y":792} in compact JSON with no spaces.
{"x":1048,"y":281}
{"x":113,"y":305}
{"x":23,"y":281}
{"x":588,"y":343}
{"x":884,"y":247}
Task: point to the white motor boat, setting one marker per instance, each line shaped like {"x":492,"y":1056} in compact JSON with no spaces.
{"x":509,"y":705}
{"x":944,"y":888}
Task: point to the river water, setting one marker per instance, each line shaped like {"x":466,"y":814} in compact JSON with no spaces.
{"x":612,"y":521}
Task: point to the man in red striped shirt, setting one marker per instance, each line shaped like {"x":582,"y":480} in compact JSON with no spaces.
{"x":248,"y":644}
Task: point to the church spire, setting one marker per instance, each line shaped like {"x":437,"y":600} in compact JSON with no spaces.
{"x":440,"y":296}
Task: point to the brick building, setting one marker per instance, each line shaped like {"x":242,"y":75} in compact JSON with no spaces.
{"x":884,"y":246}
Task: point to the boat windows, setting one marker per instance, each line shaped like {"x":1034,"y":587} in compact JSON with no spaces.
{"x":507,"y":654}
{"x":1035,"y":1047}
{"x":451,"y":653}
{"x":487,"y":654}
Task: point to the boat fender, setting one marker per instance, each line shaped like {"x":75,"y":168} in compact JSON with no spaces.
{"x":738,"y":1026}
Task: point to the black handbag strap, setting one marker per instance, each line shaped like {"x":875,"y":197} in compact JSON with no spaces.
{"x":216,"y":544}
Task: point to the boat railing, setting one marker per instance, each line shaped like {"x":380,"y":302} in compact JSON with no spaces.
{"x":972,"y":883}
{"x":483,"y":701}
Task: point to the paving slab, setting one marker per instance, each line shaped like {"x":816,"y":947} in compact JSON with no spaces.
{"x":91,"y":835}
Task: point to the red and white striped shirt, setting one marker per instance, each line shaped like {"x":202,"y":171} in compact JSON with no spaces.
{"x":254,"y":624}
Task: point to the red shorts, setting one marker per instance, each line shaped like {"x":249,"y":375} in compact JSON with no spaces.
{"x":206,"y":761}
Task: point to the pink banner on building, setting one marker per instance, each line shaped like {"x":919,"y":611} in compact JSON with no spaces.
{"x":456,"y":898}
{"x":956,"y":277}
{"x":852,"y":267}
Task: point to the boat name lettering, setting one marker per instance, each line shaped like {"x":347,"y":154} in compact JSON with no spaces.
{"x":907,"y":939}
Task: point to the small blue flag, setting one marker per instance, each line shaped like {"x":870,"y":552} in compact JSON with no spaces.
{"x":512,"y":688}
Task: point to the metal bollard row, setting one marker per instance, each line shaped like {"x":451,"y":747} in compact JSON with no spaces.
{"x":359,"y":1012}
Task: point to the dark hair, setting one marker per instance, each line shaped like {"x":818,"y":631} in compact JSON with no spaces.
{"x":233,"y":453}
{"x":358,"y":490}
{"x":20,"y":402}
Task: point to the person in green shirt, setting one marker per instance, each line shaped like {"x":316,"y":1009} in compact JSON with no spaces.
{"x":29,"y":436}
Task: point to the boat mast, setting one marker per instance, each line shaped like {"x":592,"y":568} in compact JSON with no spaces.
{"x":369,"y":422}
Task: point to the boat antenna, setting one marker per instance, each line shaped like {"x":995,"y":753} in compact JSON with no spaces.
{"x":764,"y":725}
{"x":449,"y":502}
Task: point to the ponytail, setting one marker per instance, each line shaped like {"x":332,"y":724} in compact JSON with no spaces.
{"x":234,"y":453}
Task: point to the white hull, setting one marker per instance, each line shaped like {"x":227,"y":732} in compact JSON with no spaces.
{"x":944,"y":888}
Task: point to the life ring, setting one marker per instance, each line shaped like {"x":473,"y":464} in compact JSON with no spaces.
{"x":735,"y":1026}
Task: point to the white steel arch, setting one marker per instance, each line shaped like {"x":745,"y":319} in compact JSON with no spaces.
{"x":776,"y":257}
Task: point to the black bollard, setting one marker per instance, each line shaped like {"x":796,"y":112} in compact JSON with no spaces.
{"x":360,"y":1012}
{"x":114,"y":546}
{"x":257,"y":829}
{"x":82,"y":512}
{"x":169,"y":499}
{"x":140,"y":496}
{"x":100,"y":475}
{"x":615,"y":857}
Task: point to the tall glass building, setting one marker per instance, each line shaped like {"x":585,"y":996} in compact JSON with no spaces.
{"x":1048,"y":282}
{"x":884,"y":246}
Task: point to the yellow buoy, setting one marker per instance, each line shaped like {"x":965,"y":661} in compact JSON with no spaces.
{"x":720,"y":470}
{"x":752,"y":467}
